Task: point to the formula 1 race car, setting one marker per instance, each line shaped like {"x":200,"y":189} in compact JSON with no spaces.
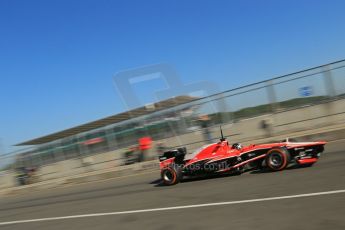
{"x":221,"y":157}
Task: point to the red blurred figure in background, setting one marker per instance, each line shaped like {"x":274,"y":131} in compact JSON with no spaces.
{"x":145,"y":144}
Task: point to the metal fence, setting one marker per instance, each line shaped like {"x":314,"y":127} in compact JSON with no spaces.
{"x":308,"y":87}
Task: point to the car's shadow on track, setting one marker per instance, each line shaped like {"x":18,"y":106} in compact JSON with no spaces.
{"x":260,"y":171}
{"x":156,"y":182}
{"x":266,"y":170}
{"x":159,"y":183}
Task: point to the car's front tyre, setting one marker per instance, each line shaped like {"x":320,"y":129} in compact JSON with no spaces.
{"x":277,"y":159}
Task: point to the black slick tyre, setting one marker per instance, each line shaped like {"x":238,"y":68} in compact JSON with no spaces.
{"x":277,"y":159}
{"x":171,"y":175}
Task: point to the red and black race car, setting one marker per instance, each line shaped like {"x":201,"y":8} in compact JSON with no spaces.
{"x":222,"y":157}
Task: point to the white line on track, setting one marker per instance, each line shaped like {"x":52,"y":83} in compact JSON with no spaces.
{"x":173,"y":207}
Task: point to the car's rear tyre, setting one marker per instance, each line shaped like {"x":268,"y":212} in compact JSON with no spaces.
{"x":277,"y":159}
{"x":171,"y":175}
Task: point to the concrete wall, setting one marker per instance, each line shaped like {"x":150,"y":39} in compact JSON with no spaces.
{"x":310,"y":117}
{"x":7,"y":179}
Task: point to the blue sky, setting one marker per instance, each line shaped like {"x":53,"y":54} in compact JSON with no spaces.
{"x":58,"y":57}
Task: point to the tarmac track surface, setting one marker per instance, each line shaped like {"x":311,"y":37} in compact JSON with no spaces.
{"x":141,"y":192}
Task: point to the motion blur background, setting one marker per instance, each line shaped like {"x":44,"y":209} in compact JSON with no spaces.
{"x":58,"y":59}
{"x":93,"y":91}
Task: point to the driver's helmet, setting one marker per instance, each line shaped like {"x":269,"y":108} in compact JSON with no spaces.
{"x":237,"y":146}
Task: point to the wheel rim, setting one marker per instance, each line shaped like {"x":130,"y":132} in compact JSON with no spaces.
{"x":276,"y":160}
{"x":168,"y":176}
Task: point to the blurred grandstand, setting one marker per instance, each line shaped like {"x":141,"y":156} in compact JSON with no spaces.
{"x":114,"y":132}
